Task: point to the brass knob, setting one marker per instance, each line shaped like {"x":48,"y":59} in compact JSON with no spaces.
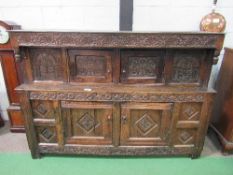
{"x":109,"y":117}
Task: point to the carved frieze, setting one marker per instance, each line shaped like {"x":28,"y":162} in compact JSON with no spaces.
{"x":110,"y":150}
{"x":113,"y":40}
{"x":79,"y":96}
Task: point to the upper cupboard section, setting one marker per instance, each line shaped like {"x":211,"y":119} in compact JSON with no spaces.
{"x":126,"y":66}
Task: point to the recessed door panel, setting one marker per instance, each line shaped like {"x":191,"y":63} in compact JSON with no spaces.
{"x":47,"y":64}
{"x":189,"y":67}
{"x":145,"y":123}
{"x":90,"y":66}
{"x":87,"y":123}
{"x":142,"y":66}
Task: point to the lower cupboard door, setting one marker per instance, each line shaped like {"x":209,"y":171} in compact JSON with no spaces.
{"x":87,"y":123}
{"x":145,"y":124}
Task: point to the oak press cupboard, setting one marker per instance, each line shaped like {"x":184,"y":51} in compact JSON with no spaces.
{"x":122,"y":93}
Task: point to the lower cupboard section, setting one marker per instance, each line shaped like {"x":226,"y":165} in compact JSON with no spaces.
{"x":106,"y":128}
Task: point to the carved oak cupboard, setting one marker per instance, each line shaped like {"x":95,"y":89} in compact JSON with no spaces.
{"x":116,"y":93}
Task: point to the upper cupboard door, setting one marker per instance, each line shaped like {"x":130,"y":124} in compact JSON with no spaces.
{"x":189,"y":66}
{"x":142,"y":66}
{"x":47,"y":64}
{"x":90,"y":66}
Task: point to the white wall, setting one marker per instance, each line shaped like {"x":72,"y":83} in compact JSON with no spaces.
{"x":4,"y":103}
{"x":62,"y":14}
{"x":149,"y":15}
{"x":58,"y":15}
{"x":181,"y":15}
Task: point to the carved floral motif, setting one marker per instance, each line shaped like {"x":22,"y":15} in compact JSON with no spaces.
{"x":113,"y":40}
{"x":79,"y":96}
{"x":186,"y":68}
{"x":143,"y":66}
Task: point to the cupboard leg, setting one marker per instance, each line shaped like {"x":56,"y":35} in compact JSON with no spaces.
{"x":35,"y":154}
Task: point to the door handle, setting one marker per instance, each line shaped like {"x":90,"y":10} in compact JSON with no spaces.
{"x":124,"y":119}
{"x":109,"y":117}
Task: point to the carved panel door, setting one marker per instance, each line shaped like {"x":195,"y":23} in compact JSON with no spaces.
{"x":145,"y":123}
{"x":87,"y":123}
{"x":47,"y":64}
{"x":90,"y":66}
{"x":142,"y":66}
{"x":189,"y":66}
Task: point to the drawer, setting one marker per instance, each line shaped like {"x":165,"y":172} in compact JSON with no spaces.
{"x":46,"y":134}
{"x":42,"y":109}
{"x":145,"y":124}
{"x":87,"y":122}
{"x":185,"y":137}
{"x":90,"y":66}
{"x":142,"y":66}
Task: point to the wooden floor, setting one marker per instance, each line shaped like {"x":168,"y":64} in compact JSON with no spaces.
{"x":17,"y":142}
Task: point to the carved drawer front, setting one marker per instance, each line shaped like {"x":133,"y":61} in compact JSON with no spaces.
{"x":44,"y":120}
{"x":90,"y":66}
{"x":188,"y":123}
{"x":87,"y":123}
{"x":190,"y":112}
{"x":145,"y":123}
{"x":188,"y":66}
{"x":142,"y":66}
{"x":189,"y":115}
{"x":46,"y":134}
{"x":185,"y":137}
{"x":42,"y":109}
{"x":47,"y":64}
